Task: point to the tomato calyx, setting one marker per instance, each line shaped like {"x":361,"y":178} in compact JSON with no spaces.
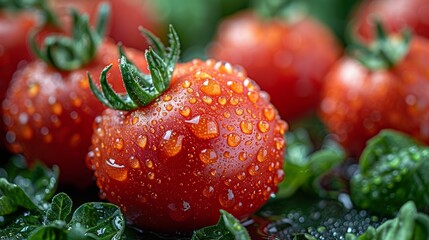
{"x":385,"y":51}
{"x":40,"y":5}
{"x":141,"y":89}
{"x":289,"y":10}
{"x":71,"y":53}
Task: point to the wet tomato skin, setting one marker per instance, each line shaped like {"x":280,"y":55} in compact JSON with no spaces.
{"x":211,"y":141}
{"x":287,"y":59}
{"x":395,"y":15}
{"x":49,"y":114}
{"x":357,"y":103}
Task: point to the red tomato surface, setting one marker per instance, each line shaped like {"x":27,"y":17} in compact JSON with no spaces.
{"x":49,"y":113}
{"x":211,"y":141}
{"x":357,"y":102}
{"x":288,"y":60}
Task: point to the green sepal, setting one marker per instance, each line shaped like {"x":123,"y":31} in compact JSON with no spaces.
{"x":70,"y":53}
{"x":384,"y":52}
{"x":141,"y":89}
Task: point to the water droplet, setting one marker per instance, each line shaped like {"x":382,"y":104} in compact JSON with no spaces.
{"x":241,"y":176}
{"x":179,"y":212}
{"x":134,"y":120}
{"x":115,"y":170}
{"x":269,"y":113}
{"x":239,"y":111}
{"x":169,"y":107}
{"x":151,"y":175}
{"x":185,"y":111}
{"x":263,"y":126}
{"x":235,"y":86}
{"x":27,"y":132}
{"x":279,"y":176}
{"x":119,"y":143}
{"x":33,"y":89}
{"x":233,"y":139}
{"x":204,"y":127}
{"x":166,"y":97}
{"x":242,"y":156}
{"x":142,"y":141}
{"x":192,"y":100}
{"x":186,"y":84}
{"x":227,"y":199}
{"x":227,"y":154}
{"x":56,"y":108}
{"x":262,"y":154}
{"x":246,"y":127}
{"x":208,"y":156}
{"x":227,"y":114}
{"x":282,"y":127}
{"x":200,"y":75}
{"x":222,"y":100}
{"x":253,"y":169}
{"x":207,"y":99}
{"x":280,"y":143}
{"x":134,"y":162}
{"x":208,"y":191}
{"x":99,"y":132}
{"x":149,"y":163}
{"x":234,"y":101}
{"x":223,"y":67}
{"x":211,"y":87}
{"x":171,"y":144}
{"x":253,"y":96}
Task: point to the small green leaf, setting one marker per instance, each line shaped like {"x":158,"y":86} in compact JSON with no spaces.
{"x":304,"y":166}
{"x":228,"y":228}
{"x":49,"y":232}
{"x":14,"y":195}
{"x":101,"y":221}
{"x":393,"y":170}
{"x":60,"y":209}
{"x":20,"y":225}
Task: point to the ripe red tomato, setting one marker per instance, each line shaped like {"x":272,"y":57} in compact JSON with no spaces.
{"x":49,"y":113}
{"x":125,"y":18}
{"x":358,"y":102}
{"x":14,"y":30}
{"x":288,"y":60}
{"x":211,"y":141}
{"x":395,"y":15}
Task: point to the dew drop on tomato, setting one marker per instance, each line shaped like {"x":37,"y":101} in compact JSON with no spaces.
{"x":115,"y":170}
{"x":227,"y":198}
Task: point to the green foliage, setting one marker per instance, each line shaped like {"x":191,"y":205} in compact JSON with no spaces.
{"x":393,"y":170}
{"x":304,"y":165}
{"x":228,"y":228}
{"x":26,"y":211}
{"x":408,"y":225}
{"x":26,"y":188}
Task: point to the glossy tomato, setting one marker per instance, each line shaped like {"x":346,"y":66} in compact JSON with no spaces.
{"x":358,"y":102}
{"x":287,"y":59}
{"x":210,"y":141}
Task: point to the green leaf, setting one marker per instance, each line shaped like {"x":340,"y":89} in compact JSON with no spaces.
{"x":60,"y":208}
{"x":408,"y":225}
{"x":304,"y":166}
{"x":99,"y":221}
{"x":50,"y":232}
{"x":14,"y":195}
{"x":20,"y":225}
{"x":227,"y":228}
{"x":393,"y":170}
